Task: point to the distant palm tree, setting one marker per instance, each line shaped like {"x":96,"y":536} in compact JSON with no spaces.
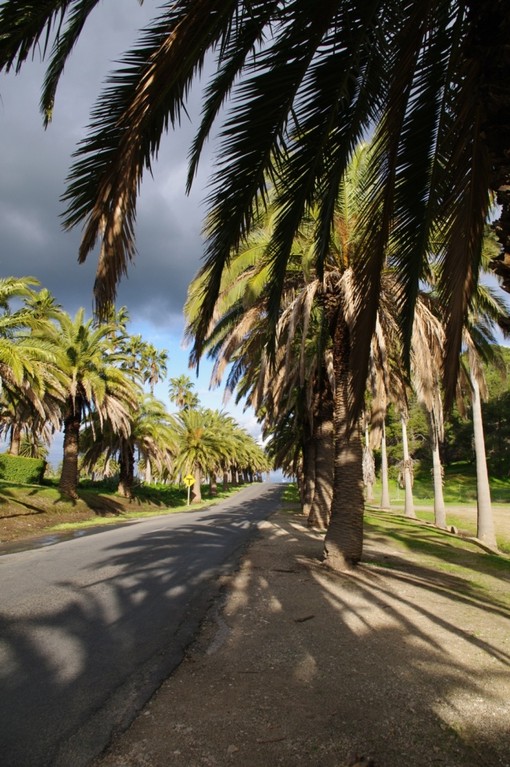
{"x":428,"y":343}
{"x":90,"y":371}
{"x":181,"y":393}
{"x":149,"y":362}
{"x":152,"y":434}
{"x":25,"y":418}
{"x":200,"y":447}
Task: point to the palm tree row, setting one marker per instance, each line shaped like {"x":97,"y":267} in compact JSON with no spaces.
{"x":302,"y":84}
{"x":59,"y":372}
{"x":299,"y":379}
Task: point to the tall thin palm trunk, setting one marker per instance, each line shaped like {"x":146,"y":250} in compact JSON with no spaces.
{"x":368,"y":467}
{"x":406,"y":471}
{"x":485,"y":522}
{"x":68,"y":483}
{"x":306,"y":477}
{"x":437,"y":475}
{"x":385,"y":484}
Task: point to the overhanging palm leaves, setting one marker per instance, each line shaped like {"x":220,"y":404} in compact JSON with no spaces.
{"x":305,"y":81}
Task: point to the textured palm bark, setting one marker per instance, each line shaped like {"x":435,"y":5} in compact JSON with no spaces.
{"x":126,"y":472}
{"x":306,"y":478}
{"x":485,"y":521}
{"x":343,"y":545}
{"x":385,"y":484}
{"x":407,"y":473}
{"x":437,"y":475}
{"x":196,"y":490}
{"x":15,"y":444}
{"x":320,"y":510}
{"x":68,"y":483}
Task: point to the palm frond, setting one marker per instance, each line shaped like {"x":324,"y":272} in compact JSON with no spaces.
{"x":26,"y":23}
{"x":145,"y":95}
{"x":464,"y":226}
{"x":62,"y":48}
{"x":245,"y":38}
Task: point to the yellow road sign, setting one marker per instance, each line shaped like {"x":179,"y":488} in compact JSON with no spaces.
{"x":189,"y":480}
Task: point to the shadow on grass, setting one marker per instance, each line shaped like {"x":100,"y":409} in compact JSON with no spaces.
{"x":444,"y":558}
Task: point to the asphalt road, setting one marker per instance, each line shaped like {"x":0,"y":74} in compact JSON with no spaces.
{"x":90,"y":627}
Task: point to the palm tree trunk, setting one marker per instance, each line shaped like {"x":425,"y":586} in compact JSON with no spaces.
{"x":437,"y":473}
{"x":15,"y":443}
{"x":306,"y":480}
{"x":126,"y":471}
{"x":320,"y":510}
{"x":407,"y":472}
{"x":385,"y":484}
{"x":368,"y":468}
{"x":196,"y":490}
{"x":68,"y":483}
{"x":485,"y":522}
{"x":343,"y":545}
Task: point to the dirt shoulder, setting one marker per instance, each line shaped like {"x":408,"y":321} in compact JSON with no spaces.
{"x":297,"y":666}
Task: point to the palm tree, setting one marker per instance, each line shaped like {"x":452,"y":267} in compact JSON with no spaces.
{"x":291,"y":384}
{"x":25,"y":417}
{"x":31,"y":392}
{"x":311,"y":339}
{"x":152,"y":434}
{"x":200,"y":447}
{"x":181,"y":393}
{"x":21,"y":354}
{"x":432,"y":78}
{"x":93,"y":379}
{"x":149,"y":362}
{"x":428,"y":341}
{"x":480,"y":344}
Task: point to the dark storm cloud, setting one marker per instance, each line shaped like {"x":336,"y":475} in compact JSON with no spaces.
{"x":34,"y":164}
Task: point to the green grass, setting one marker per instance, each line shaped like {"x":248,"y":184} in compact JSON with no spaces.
{"x":290,"y":493}
{"x":460,"y":485}
{"x":42,"y":506}
{"x":459,"y":488}
{"x":434,"y":550}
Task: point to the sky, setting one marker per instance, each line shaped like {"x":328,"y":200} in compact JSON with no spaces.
{"x":34,"y":163}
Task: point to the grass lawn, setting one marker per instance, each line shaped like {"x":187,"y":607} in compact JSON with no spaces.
{"x":31,"y":510}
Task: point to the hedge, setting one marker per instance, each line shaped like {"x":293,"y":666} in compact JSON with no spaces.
{"x":21,"y":471}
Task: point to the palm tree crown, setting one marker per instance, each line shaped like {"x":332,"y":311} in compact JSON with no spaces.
{"x":306,"y":81}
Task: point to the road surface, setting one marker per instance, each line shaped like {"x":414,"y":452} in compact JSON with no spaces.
{"x":90,"y":627}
